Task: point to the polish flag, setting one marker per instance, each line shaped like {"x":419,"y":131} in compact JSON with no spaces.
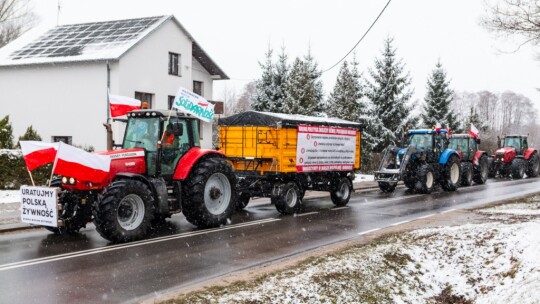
{"x":38,"y":153}
{"x":81,"y":165}
{"x":121,"y":105}
{"x":438,"y":127}
{"x":474,"y":131}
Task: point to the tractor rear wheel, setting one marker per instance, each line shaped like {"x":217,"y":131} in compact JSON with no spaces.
{"x":533,"y":165}
{"x":124,"y":211}
{"x":289,"y":201}
{"x":481,"y":172}
{"x":387,"y":187}
{"x":518,"y":168}
{"x":74,"y":214}
{"x":243,"y":201}
{"x":210,"y":199}
{"x":425,"y":180}
{"x":341,"y":194}
{"x":492,"y":171}
{"x":451,"y":174}
{"x":466,"y":174}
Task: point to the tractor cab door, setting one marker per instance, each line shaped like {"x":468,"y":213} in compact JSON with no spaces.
{"x":440,"y":145}
{"x":473,"y":147}
{"x":175,"y":143}
{"x":524,"y":147}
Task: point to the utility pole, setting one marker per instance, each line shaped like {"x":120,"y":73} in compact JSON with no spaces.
{"x":58,"y":13}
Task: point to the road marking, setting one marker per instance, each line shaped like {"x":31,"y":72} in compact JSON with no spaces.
{"x":390,"y":199}
{"x":340,"y":208}
{"x":426,"y":216}
{"x":128,"y":245}
{"x":399,"y":223}
{"x":304,"y":214}
{"x":368,"y":231}
{"x":448,"y":211}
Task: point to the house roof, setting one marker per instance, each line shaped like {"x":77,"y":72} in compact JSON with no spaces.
{"x":96,"y":41}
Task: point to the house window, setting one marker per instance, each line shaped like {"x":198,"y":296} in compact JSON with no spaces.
{"x":198,"y":87}
{"x":170,"y":100}
{"x":64,"y":139}
{"x":174,"y":63}
{"x":145,"y":97}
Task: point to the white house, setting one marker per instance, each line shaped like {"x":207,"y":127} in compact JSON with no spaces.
{"x":58,"y":81}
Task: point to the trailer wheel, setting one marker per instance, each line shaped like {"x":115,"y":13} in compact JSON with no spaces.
{"x":466,"y":174}
{"x":425,"y":179}
{"x":518,"y":168}
{"x":533,"y":165}
{"x":481,"y":172}
{"x":124,"y":211}
{"x":387,"y":187}
{"x":74,"y":215}
{"x":209,"y":196}
{"x":243,"y":201}
{"x":290,"y":200}
{"x":342,"y":192}
{"x":451,"y":174}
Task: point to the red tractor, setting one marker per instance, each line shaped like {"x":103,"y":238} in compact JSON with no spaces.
{"x":474,"y":162}
{"x":150,"y":180}
{"x":514,"y":158}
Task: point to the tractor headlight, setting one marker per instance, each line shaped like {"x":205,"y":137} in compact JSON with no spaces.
{"x":64,"y":180}
{"x":72,"y":181}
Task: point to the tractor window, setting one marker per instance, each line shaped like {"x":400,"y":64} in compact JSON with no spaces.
{"x":174,"y":145}
{"x":525,"y":144}
{"x":421,"y":141}
{"x":512,"y":141}
{"x":195,"y":127}
{"x":472,"y":145}
{"x":142,"y":133}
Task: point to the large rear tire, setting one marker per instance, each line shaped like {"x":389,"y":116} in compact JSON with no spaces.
{"x":533,"y":165}
{"x":341,"y":194}
{"x":425,"y":180}
{"x":290,"y":199}
{"x":518,"y":168}
{"x":466,"y":174}
{"x":481,"y":172}
{"x":451,"y":175}
{"x":124,"y":211}
{"x":492,"y":170}
{"x":74,"y":213}
{"x":210,"y":199}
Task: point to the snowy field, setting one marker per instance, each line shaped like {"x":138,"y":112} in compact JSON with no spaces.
{"x":10,"y":196}
{"x":497,"y":261}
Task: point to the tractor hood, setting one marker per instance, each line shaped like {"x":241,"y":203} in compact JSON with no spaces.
{"x":505,"y":154}
{"x":126,"y":160}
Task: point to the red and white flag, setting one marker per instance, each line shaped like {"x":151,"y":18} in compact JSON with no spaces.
{"x":474,"y":131}
{"x":38,"y":153}
{"x":438,"y":127}
{"x":81,"y":165}
{"x":121,"y":105}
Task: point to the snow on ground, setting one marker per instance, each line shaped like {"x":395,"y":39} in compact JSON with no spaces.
{"x":491,"y":262}
{"x":363,"y":178}
{"x":10,"y":196}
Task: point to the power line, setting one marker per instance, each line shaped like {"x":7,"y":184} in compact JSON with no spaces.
{"x":362,"y":38}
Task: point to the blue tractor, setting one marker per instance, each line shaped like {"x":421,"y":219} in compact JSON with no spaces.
{"x":423,"y":162}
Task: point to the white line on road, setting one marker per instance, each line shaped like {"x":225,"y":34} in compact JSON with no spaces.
{"x":446,"y":211}
{"x":369,"y":231}
{"x":426,"y":216}
{"x":128,"y":245}
{"x":340,"y":208}
{"x":399,"y":223}
{"x":304,"y":214}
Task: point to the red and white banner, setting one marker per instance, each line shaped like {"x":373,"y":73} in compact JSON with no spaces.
{"x":322,"y":148}
{"x":474,"y":131}
{"x":81,"y":165}
{"x":121,"y":105}
{"x":38,"y":153}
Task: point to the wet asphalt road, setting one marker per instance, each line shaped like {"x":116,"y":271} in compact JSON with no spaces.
{"x":38,"y":267}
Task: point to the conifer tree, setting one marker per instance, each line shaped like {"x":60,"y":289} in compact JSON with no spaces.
{"x":265,"y":85}
{"x":437,"y":108}
{"x":6,"y":134}
{"x":344,"y":100}
{"x":390,"y":94}
{"x":30,"y":134}
{"x":281,"y":75}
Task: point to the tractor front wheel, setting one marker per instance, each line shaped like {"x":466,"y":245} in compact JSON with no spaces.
{"x":451,"y":174}
{"x":481,"y":172}
{"x":533,"y":165}
{"x":518,"y":168}
{"x":466,"y":174}
{"x":425,"y":180}
{"x":125,"y":211}
{"x":210,"y":199}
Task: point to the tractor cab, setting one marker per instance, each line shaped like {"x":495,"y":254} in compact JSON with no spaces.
{"x":429,"y":143}
{"x":164,"y":139}
{"x":465,"y":144}
{"x":517,"y":142}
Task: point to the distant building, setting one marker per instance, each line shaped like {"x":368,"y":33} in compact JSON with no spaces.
{"x":58,"y":81}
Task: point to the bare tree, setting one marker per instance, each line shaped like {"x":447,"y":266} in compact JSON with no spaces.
{"x":15,"y":19}
{"x":514,"y":18}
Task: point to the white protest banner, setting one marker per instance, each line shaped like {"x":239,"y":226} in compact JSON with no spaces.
{"x":323,"y":148}
{"x":38,"y":206}
{"x":191,"y":103}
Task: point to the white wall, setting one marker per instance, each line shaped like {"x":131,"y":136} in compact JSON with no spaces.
{"x":57,"y":100}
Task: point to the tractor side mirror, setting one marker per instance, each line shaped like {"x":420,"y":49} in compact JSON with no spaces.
{"x":478,"y":140}
{"x":177,"y":129}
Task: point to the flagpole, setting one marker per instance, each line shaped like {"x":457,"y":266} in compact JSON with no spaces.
{"x":164,"y":129}
{"x":31,"y":178}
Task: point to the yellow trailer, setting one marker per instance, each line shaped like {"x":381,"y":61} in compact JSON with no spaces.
{"x":281,"y":156}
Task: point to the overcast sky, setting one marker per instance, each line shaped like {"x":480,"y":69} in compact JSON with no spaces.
{"x":236,"y":34}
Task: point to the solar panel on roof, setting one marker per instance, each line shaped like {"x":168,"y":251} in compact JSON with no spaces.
{"x":79,"y":39}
